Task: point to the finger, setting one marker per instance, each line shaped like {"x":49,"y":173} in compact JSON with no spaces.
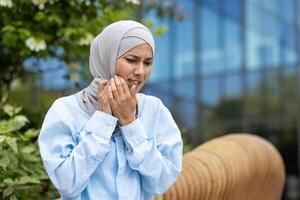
{"x":114,"y":89}
{"x":111,"y":97}
{"x":101,"y":85}
{"x":125,"y":87}
{"x":119,"y":86}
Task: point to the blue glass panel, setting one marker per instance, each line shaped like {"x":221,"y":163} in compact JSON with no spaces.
{"x":233,"y":48}
{"x":287,"y":10}
{"x":56,"y":70}
{"x":185,"y":89}
{"x":161,"y":65}
{"x":185,"y":55}
{"x":185,"y":112}
{"x":272,"y":6}
{"x":287,"y":34}
{"x":233,"y":86}
{"x":253,"y":81}
{"x":262,"y":51}
{"x":214,"y":3}
{"x":210,"y":91}
{"x":211,"y":53}
{"x":233,"y":7}
{"x":253,"y":16}
{"x":289,"y":55}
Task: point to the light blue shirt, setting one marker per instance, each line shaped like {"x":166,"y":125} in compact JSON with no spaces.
{"x":85,"y":161}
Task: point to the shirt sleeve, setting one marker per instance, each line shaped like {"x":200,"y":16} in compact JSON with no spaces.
{"x":158,"y":159}
{"x":68,"y":162}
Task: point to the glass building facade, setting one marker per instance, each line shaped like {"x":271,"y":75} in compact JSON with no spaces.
{"x":233,"y":66}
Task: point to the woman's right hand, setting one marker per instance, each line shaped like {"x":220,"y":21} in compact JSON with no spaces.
{"x":103,"y":102}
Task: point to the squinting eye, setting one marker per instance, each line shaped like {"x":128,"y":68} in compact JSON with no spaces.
{"x":147,"y":63}
{"x":129,"y":60}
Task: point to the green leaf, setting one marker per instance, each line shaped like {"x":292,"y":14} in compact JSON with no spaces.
{"x":2,"y":138}
{"x":7,"y":126}
{"x":7,"y":192}
{"x":8,"y":181}
{"x":12,"y":142}
{"x":8,"y":109}
{"x":8,"y":28}
{"x":160,"y":30}
{"x":39,"y":16}
{"x":18,"y":109}
{"x":21,"y":120}
{"x":4,"y":98}
{"x":31,"y":133}
{"x":26,"y":179}
{"x":4,"y":162}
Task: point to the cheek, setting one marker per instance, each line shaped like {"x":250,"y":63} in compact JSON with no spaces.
{"x":123,"y":69}
{"x":148,"y":71}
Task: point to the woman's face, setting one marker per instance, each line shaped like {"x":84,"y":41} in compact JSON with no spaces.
{"x":135,"y":65}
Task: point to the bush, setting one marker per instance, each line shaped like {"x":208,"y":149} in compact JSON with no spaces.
{"x":22,"y":175}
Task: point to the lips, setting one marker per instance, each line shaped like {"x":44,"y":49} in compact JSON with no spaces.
{"x":134,"y":82}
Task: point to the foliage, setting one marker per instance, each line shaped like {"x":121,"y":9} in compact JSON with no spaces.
{"x":32,"y":31}
{"x":22,"y":175}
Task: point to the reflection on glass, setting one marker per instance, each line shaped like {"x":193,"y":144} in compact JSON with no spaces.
{"x":211,"y":53}
{"x":233,"y":86}
{"x":262,"y":51}
{"x":233,"y":49}
{"x":289,"y":56}
{"x":184,"y":58}
{"x":210,"y":91}
{"x":185,"y":89}
{"x":232,"y":7}
{"x":161,"y":65}
{"x":186,"y":113}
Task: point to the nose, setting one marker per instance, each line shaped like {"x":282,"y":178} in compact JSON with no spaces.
{"x":139,"y":70}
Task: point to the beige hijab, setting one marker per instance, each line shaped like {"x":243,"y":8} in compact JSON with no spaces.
{"x":115,"y":40}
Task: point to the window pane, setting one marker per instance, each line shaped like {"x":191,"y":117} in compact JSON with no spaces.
{"x":262,"y":51}
{"x":184,"y":58}
{"x":233,"y":7}
{"x":233,"y":48}
{"x":161,"y":65}
{"x":233,"y":86}
{"x":185,"y":89}
{"x":185,"y":113}
{"x":211,"y":54}
{"x":210,"y":91}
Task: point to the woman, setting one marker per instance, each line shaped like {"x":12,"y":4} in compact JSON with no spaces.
{"x":108,"y":141}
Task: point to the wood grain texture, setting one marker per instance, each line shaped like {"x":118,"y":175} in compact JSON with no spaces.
{"x":231,"y":167}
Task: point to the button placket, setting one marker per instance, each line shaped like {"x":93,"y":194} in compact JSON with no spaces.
{"x":120,"y":154}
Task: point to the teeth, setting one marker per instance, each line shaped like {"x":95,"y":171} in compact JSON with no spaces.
{"x":134,"y":82}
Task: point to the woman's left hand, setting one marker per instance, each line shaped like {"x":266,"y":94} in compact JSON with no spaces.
{"x":122,"y":100}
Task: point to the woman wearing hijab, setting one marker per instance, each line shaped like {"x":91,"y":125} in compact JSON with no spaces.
{"x":108,"y":141}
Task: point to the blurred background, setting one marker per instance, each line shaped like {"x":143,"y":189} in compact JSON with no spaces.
{"x":221,"y":67}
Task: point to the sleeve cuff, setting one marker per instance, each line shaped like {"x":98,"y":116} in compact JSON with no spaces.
{"x":101,"y":125}
{"x":134,"y":133}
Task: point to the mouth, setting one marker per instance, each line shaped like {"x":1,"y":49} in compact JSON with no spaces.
{"x":134,"y":82}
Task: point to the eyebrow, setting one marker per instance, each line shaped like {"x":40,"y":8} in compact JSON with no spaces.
{"x":138,"y":57}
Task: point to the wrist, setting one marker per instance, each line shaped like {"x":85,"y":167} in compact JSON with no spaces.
{"x":126,"y":121}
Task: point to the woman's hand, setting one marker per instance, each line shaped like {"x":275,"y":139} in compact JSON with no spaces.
{"x":103,"y":102}
{"x":122,"y":100}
